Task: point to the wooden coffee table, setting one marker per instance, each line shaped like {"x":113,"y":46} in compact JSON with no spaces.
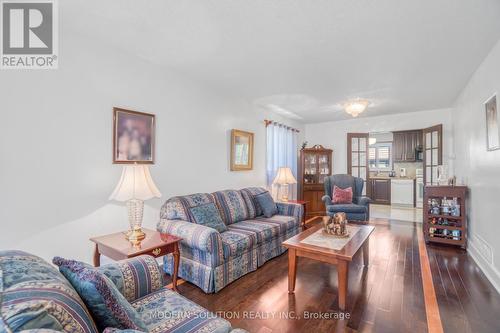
{"x":341,"y":257}
{"x":156,"y":244}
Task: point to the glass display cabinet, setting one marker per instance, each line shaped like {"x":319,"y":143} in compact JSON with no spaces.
{"x":314,"y":166}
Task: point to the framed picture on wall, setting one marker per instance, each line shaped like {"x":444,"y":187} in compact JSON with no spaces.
{"x":133,"y":137}
{"x":241,"y":150}
{"x":492,"y":125}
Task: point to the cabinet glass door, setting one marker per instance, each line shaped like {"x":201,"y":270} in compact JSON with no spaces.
{"x":323,"y":167}
{"x":357,"y":156}
{"x":310,"y":168}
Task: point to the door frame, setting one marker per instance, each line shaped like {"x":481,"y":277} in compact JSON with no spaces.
{"x":439,"y":129}
{"x":366,"y":136}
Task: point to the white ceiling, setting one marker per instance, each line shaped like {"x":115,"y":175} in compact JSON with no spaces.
{"x":304,"y":58}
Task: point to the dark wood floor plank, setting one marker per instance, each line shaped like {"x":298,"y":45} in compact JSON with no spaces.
{"x":387,"y":296}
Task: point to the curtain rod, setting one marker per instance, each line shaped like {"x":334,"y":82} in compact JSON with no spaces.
{"x":269,"y":122}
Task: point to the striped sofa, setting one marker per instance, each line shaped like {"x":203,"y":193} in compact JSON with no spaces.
{"x":36,"y":297}
{"x":211,"y":259}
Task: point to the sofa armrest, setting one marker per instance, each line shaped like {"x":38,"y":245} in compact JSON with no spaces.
{"x":135,"y":277}
{"x":326,"y":199}
{"x":193,"y":235}
{"x":363,"y":201}
{"x":290,"y":209}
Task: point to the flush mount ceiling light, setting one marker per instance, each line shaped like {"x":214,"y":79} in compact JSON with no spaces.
{"x":356,"y":106}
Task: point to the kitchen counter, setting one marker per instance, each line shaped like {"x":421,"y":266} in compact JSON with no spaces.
{"x":387,"y":177}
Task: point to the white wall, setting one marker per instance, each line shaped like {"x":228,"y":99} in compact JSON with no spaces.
{"x":55,"y":144}
{"x":334,"y":134}
{"x":479,"y":168}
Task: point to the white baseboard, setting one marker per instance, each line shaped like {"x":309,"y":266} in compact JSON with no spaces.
{"x":489,"y":270}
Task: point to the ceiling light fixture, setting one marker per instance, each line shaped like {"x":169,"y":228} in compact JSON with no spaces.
{"x":356,"y":106}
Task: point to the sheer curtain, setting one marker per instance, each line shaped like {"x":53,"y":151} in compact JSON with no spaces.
{"x":281,"y":152}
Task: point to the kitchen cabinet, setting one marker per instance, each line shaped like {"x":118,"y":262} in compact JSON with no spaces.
{"x":380,"y":191}
{"x":406,"y":145}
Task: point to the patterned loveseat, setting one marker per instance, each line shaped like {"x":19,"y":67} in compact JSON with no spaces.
{"x":211,"y":259}
{"x":36,"y":297}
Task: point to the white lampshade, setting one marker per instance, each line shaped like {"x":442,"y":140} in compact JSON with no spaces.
{"x":135,"y":183}
{"x":284,"y":176}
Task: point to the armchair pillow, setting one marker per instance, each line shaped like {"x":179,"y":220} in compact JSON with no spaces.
{"x":135,"y":277}
{"x":108,"y":306}
{"x":208,"y":215}
{"x":267,"y":204}
{"x":342,"y":196}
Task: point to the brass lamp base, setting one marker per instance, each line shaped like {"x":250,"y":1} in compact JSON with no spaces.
{"x":135,"y":235}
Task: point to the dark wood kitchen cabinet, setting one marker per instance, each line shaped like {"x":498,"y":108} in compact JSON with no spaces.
{"x":406,"y":145}
{"x":380,"y":191}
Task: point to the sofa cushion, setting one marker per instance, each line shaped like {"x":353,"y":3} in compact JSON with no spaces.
{"x":177,"y":208}
{"x":346,"y":208}
{"x":231,"y":205}
{"x":108,"y":306}
{"x":34,"y":294}
{"x":267,"y":204}
{"x":284,"y":222}
{"x":208,"y":215}
{"x":235,"y":243}
{"x":167,"y":311}
{"x":135,"y":277}
{"x":249,"y":194}
{"x":262,"y":231}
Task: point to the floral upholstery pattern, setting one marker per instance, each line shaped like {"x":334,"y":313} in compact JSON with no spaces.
{"x":208,"y":215}
{"x":135,"y":277}
{"x":108,"y":306}
{"x":231,"y":205}
{"x":36,"y":298}
{"x":290,"y":209}
{"x":193,"y":271}
{"x":236,"y":243}
{"x":267,"y":204}
{"x":211,"y":260}
{"x":34,"y":294}
{"x":234,"y":268}
{"x":205,"y":243}
{"x":178,"y":208}
{"x":167,"y":311}
{"x":253,"y":207}
{"x":261,"y":230}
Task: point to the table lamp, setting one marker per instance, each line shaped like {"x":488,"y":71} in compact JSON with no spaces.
{"x":284,"y":178}
{"x":135,"y":186}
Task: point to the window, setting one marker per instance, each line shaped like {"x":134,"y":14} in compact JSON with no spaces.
{"x":380,"y":156}
{"x":281,"y":152}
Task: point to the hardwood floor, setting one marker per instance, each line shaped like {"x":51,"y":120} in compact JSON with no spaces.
{"x":386,"y":296}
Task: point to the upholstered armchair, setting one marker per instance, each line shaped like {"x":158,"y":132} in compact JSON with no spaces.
{"x":359,"y":209}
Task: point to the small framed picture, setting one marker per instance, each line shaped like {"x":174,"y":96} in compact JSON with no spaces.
{"x":133,"y":137}
{"x":492,"y":125}
{"x":241,"y":150}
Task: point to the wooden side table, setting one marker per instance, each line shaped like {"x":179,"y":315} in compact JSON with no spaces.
{"x":303,"y":203}
{"x":156,"y":244}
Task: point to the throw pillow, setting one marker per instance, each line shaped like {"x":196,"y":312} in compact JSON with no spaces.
{"x":267,"y":204}
{"x":342,"y":196}
{"x":208,"y":215}
{"x":108,"y":306}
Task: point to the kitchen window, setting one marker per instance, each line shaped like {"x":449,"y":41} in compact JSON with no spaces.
{"x":380,"y":156}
